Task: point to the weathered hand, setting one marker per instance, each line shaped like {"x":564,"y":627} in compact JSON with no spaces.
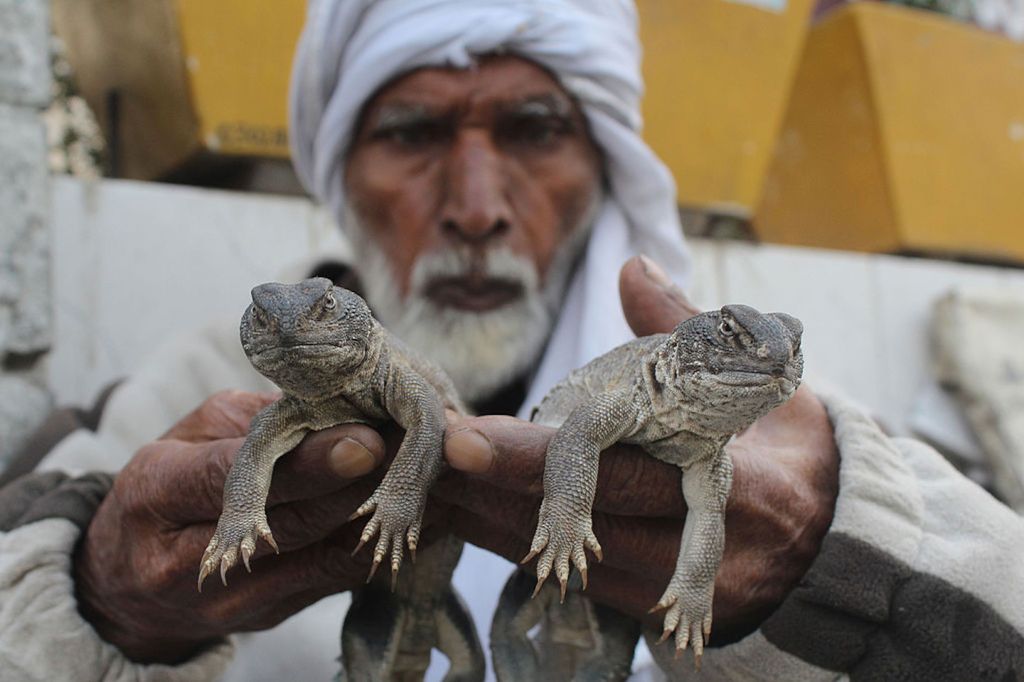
{"x":135,"y":570}
{"x":783,"y":494}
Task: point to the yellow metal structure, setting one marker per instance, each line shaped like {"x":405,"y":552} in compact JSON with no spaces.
{"x":212,"y":76}
{"x":905,"y":132}
{"x":238,"y":54}
{"x":718,"y":75}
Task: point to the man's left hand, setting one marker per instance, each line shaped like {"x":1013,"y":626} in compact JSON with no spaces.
{"x":784,"y":489}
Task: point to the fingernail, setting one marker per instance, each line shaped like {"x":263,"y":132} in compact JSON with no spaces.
{"x":655,"y":273}
{"x":469,"y":450}
{"x":349,"y":458}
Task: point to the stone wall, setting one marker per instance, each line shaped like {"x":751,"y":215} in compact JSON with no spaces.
{"x":25,"y":282}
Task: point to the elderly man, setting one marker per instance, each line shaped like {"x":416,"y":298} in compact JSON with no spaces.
{"x":484,"y":160}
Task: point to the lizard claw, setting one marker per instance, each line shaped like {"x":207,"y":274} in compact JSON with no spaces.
{"x":204,"y":571}
{"x":532,"y":553}
{"x":688,"y":615}
{"x":235,"y":536}
{"x":396,"y":517}
{"x":559,"y":540}
{"x":359,"y":546}
{"x":247,"y":550}
{"x":365,"y":508}
{"x":412,"y":539}
{"x":268,"y":537}
{"x":373,"y":568}
{"x":226,"y":562}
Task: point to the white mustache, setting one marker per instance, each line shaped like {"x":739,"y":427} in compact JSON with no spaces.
{"x":481,"y":351}
{"x":496,"y":264}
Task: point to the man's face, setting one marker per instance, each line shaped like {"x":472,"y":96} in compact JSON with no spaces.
{"x":470,"y":193}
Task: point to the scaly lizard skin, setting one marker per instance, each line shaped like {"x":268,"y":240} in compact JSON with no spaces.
{"x":681,"y":397}
{"x":335,"y":364}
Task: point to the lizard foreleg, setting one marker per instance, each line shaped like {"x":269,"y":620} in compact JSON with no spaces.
{"x":564,"y":526}
{"x":689,"y":594}
{"x":274,"y":431}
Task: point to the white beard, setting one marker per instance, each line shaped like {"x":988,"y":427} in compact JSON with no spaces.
{"x":481,"y":351}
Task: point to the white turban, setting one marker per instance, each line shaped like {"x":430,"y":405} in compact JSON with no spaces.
{"x":350,"y":48}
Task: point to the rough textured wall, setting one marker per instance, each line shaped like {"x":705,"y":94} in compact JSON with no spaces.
{"x":25,"y":290}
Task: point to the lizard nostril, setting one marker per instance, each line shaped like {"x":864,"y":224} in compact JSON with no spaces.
{"x":259,"y":317}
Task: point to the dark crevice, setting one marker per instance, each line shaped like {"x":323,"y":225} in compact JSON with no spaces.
{"x":21,"y":362}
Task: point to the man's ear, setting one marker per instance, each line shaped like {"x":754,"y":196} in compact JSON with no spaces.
{"x":651,"y":303}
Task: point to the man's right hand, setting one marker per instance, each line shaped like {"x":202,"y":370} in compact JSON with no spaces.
{"x":135,"y":570}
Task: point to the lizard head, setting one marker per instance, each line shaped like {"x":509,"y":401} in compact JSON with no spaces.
{"x":735,"y":364}
{"x":302,"y":335}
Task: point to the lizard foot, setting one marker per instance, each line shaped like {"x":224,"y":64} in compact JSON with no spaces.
{"x":688,"y":616}
{"x":397,"y":517}
{"x":235,"y":536}
{"x":561,"y":538}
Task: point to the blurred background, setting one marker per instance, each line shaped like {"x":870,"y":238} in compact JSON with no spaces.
{"x":857,"y":164}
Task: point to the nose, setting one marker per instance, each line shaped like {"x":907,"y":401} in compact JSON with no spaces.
{"x":475,"y":208}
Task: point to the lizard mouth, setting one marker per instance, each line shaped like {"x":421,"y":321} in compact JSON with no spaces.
{"x":757,"y":380}
{"x":299,"y":351}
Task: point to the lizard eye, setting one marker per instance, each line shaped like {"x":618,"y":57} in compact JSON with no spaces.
{"x":330,"y":303}
{"x":726,"y":329}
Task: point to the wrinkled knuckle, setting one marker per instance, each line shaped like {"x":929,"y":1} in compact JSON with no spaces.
{"x":335,"y":564}
{"x":622,"y":484}
{"x":164,"y":572}
{"x":133,"y":487}
{"x":221,"y":611}
{"x":809,"y":521}
{"x":146,"y":455}
{"x":223,"y":404}
{"x":225,"y":399}
{"x":215,"y":473}
{"x":290,"y":522}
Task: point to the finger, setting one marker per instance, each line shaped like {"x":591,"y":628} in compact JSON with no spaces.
{"x":500,"y":450}
{"x":629,"y":542}
{"x":184,"y":482}
{"x":278,"y":585}
{"x":509,"y":453}
{"x":317,"y":554}
{"x":326,"y":461}
{"x":226,"y":414}
{"x":627,"y":591}
{"x":632,"y":579}
{"x":651,"y":302}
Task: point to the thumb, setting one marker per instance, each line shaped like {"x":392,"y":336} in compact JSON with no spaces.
{"x":651,"y":302}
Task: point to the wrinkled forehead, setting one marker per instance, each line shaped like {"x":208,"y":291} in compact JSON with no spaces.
{"x":494,"y":85}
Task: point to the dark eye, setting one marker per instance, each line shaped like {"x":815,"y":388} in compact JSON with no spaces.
{"x":535,"y":131}
{"x":413,"y":135}
{"x":330,"y":303}
{"x":726,"y":329}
